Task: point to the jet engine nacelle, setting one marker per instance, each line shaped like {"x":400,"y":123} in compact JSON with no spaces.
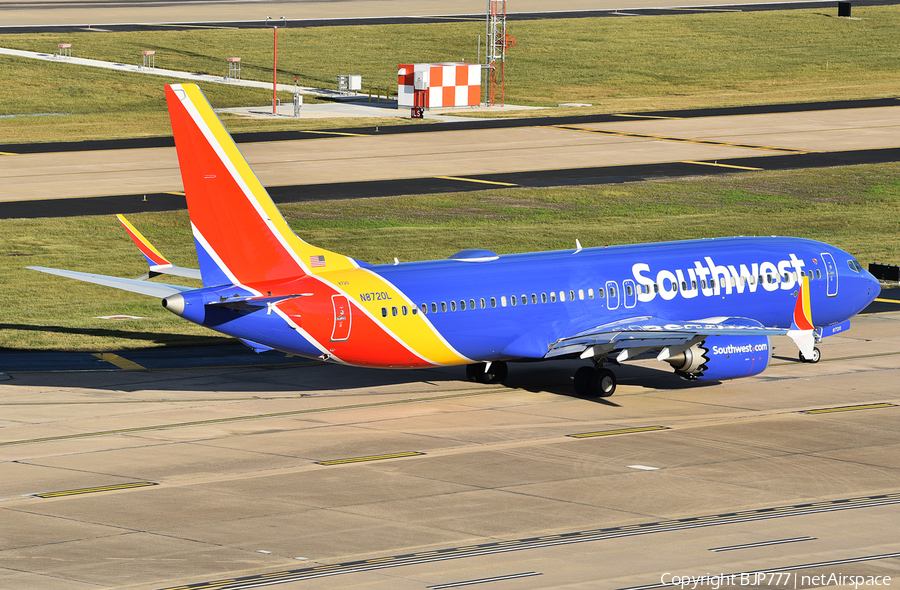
{"x":724,"y":357}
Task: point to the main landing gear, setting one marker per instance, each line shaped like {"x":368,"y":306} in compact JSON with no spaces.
{"x":816,"y":355}
{"x":595,"y":382}
{"x":493,"y":372}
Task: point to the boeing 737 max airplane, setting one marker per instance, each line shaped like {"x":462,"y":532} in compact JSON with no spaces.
{"x":707,"y":307}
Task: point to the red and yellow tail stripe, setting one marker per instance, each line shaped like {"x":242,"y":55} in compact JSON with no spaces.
{"x":154,"y":258}
{"x":802,"y":309}
{"x":238,"y":225}
{"x":228,"y":205}
{"x":370,"y":292}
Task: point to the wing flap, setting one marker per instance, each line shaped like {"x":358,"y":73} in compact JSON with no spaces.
{"x":646,"y":332}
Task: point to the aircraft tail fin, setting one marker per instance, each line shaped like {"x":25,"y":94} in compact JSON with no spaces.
{"x":241,"y":236}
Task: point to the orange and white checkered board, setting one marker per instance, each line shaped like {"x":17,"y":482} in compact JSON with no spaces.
{"x":449,"y":84}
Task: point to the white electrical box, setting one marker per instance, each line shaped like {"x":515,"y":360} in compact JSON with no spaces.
{"x":420,"y":81}
{"x":355,"y":82}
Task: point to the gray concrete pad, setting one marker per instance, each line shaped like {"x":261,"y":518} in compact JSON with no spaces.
{"x":453,"y":153}
{"x":244,"y":497}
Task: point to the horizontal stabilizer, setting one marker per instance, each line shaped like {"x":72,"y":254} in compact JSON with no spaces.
{"x":159,"y":290}
{"x":178,"y":271}
{"x":255,"y":301}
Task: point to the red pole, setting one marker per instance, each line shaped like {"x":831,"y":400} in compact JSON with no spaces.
{"x":275,"y":74}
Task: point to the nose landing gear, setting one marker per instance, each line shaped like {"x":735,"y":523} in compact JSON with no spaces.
{"x":816,"y":355}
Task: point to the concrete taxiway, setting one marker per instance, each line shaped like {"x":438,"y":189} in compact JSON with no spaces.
{"x":321,"y":476}
{"x":700,"y":141}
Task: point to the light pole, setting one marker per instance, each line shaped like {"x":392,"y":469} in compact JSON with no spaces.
{"x":275,"y":64}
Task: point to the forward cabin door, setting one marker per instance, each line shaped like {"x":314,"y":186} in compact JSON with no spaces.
{"x":342,"y":318}
{"x":831,"y":275}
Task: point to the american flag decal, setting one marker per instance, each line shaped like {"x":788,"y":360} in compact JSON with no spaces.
{"x":317,"y":261}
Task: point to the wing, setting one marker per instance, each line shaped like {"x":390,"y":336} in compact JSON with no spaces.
{"x":158,"y":263}
{"x":630,"y":337}
{"x":160,"y":290}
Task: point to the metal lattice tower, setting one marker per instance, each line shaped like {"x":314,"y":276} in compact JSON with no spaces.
{"x":495,"y":51}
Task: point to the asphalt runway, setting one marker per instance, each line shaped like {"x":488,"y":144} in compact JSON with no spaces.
{"x":319,"y":476}
{"x":464,"y":156}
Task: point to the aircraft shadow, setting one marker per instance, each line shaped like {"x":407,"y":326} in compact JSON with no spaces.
{"x":155,"y":337}
{"x":223,"y":366}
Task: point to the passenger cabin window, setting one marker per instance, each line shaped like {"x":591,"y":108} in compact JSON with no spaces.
{"x":425,"y":308}
{"x":543,"y":298}
{"x":590,"y":293}
{"x":600,"y":293}
{"x":581,"y":294}
{"x":462,"y":305}
{"x":571,"y":295}
{"x":394,"y":311}
{"x":612,"y":291}
{"x":444,"y":306}
{"x":493,"y":302}
{"x":514,"y":300}
{"x":471,"y":304}
{"x":818,"y":274}
{"x":562,"y":295}
{"x":384,"y":312}
{"x":482,"y":303}
{"x":629,"y":290}
{"x":552,"y":296}
{"x":415,"y":311}
{"x":503,"y":301}
{"x":434,"y":308}
{"x":524,"y":299}
{"x":452,"y":306}
{"x":403,"y":310}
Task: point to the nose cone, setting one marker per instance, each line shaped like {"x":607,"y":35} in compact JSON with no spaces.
{"x":866,"y":289}
{"x":174,"y":303}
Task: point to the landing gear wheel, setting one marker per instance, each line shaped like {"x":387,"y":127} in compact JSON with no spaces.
{"x":816,"y":355}
{"x":582,"y":380}
{"x":603,"y":383}
{"x":496,"y":374}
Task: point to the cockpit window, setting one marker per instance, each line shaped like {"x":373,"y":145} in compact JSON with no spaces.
{"x":854,"y":265}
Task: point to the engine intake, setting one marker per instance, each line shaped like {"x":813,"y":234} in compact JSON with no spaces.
{"x":719,"y":358}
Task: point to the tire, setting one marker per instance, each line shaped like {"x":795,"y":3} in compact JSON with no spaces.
{"x":603,"y":383}
{"x":475,"y":372}
{"x":497,"y":373}
{"x":816,"y":356}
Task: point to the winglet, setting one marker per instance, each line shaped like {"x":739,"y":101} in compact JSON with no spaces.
{"x":159,"y":264}
{"x":802,"y":330}
{"x":154,"y":258}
